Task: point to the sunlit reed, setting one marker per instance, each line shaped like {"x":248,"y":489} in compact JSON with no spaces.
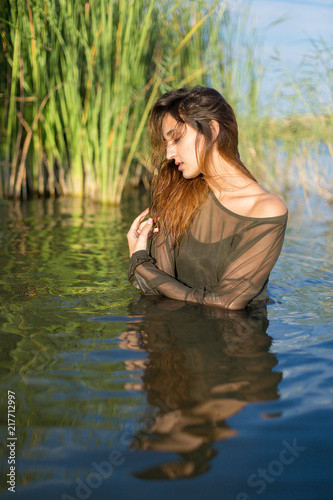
{"x":78,"y":80}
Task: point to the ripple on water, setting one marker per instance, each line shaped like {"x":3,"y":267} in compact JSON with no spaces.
{"x":179,"y":392}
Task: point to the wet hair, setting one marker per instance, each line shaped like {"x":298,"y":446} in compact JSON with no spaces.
{"x":175,"y":200}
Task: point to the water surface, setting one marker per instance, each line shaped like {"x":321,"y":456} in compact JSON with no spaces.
{"x":125,"y":397}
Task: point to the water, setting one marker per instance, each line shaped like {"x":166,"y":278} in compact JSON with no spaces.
{"x":123,"y":397}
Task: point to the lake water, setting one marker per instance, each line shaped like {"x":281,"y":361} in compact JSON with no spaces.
{"x":123,"y":397}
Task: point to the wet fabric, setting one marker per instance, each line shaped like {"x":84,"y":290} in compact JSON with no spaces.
{"x":224,"y":260}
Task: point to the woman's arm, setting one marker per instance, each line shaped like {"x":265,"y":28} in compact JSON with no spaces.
{"x":243,"y":279}
{"x":162,"y":256}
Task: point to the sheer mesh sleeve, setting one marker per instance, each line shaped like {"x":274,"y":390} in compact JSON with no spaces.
{"x":162,"y":258}
{"x":244,"y":277}
{"x":224,"y":260}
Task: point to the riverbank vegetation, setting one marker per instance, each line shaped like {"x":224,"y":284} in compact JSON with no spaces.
{"x":78,"y":80}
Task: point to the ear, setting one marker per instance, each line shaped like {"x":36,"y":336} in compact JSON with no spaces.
{"x":214,"y":125}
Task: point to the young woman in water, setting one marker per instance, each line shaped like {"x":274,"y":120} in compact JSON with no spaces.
{"x":215,"y":232}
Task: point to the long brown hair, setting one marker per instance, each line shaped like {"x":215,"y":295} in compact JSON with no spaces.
{"x":175,"y":200}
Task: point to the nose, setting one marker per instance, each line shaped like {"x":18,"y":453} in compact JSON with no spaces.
{"x":170,"y":151}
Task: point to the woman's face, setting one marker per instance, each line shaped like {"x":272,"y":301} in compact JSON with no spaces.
{"x":181,"y":146}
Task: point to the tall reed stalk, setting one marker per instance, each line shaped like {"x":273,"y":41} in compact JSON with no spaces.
{"x":78,"y":80}
{"x":83,"y":77}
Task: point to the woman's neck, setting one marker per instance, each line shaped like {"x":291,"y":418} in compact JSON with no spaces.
{"x":226,"y":180}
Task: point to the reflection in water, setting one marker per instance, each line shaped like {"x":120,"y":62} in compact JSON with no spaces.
{"x":203,"y":366}
{"x":64,"y":300}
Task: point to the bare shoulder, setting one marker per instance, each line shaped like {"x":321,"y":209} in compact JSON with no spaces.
{"x":258,"y":203}
{"x":268,"y":205}
{"x":254,"y":201}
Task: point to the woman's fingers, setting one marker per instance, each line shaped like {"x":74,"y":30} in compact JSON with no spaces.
{"x":138,"y":237}
{"x":140,"y":232}
{"x":135,"y":227}
{"x":142,"y":215}
{"x":145,"y":233}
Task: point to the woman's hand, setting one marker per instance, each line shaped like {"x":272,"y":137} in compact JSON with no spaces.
{"x":139,"y":233}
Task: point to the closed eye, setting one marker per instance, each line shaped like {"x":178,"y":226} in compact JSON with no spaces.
{"x":175,"y":134}
{"x":173,"y":141}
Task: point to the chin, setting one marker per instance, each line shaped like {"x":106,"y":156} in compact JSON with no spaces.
{"x":190,"y":176}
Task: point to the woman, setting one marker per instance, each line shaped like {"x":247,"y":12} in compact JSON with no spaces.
{"x":216,"y":234}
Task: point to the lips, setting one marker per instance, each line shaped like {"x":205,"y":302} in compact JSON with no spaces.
{"x":179,"y":164}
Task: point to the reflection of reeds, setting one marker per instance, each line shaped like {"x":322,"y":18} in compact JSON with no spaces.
{"x":78,"y":81}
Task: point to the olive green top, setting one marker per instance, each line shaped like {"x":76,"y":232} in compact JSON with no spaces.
{"x":224,"y":260}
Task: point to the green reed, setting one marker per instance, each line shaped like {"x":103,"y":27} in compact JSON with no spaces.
{"x":304,"y":147}
{"x":78,"y":80}
{"x":82,"y":78}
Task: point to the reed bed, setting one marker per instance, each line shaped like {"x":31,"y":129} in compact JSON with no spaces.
{"x":78,"y":80}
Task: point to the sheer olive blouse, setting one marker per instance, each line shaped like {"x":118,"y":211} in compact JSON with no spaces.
{"x":224,"y":260}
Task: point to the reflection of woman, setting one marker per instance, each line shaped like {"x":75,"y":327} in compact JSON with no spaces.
{"x":219,"y":232}
{"x":203,"y":366}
